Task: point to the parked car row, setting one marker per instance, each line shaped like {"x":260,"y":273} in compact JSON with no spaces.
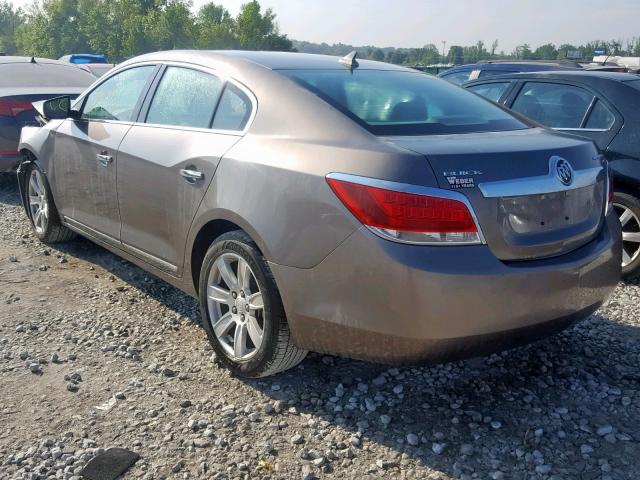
{"x":364,"y":209}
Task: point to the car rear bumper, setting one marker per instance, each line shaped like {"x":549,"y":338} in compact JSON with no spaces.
{"x":9,"y":161}
{"x":384,"y":301}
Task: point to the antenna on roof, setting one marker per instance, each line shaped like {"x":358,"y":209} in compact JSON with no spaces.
{"x":350,"y":61}
{"x":33,"y":60}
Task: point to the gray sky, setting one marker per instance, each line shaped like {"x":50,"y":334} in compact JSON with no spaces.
{"x":413,"y":23}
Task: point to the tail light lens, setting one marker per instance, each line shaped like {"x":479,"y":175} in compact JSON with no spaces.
{"x":407,"y":216}
{"x":14,"y":107}
{"x":609,"y":191}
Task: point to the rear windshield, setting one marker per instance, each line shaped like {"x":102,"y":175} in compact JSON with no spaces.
{"x":634,"y":83}
{"x":43,"y":75}
{"x":405,"y":103}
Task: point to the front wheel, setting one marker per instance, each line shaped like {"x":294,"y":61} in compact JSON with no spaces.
{"x":242,"y":309}
{"x":41,"y":209}
{"x":627,"y":207}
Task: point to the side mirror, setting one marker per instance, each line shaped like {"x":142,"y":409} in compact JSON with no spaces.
{"x":57,"y":108}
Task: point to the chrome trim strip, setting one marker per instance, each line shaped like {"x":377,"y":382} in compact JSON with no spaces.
{"x":103,"y":237}
{"x":581,"y":129}
{"x":194,"y":66}
{"x":410,"y":188}
{"x":109,"y":240}
{"x":549,"y":183}
{"x":151,"y":259}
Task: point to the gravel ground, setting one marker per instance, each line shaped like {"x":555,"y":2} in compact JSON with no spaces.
{"x":96,"y":353}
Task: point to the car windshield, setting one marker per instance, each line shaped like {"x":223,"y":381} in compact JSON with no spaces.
{"x":405,"y":103}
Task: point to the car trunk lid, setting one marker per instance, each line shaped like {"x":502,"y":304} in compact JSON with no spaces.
{"x":514,"y":181}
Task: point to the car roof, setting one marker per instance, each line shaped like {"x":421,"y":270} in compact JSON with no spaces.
{"x":579,"y":75}
{"x":522,"y":66}
{"x":269,"y":60}
{"x":15,"y":59}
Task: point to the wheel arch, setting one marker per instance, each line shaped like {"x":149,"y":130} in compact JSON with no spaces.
{"x":207,"y":232}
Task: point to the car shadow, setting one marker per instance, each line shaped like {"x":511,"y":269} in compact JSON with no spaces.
{"x":521,"y":410}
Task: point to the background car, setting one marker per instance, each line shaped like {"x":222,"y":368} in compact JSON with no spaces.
{"x":601,"y":106}
{"x":484,"y":69}
{"x":24,"y":80}
{"x":83,"y":58}
{"x":491,"y":68}
{"x":325,"y":204}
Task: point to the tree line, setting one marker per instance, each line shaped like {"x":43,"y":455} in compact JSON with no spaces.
{"x":124,"y":28}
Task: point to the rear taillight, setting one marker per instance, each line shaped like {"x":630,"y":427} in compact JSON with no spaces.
{"x":13,"y":107}
{"x":609,"y":191}
{"x":401,"y":213}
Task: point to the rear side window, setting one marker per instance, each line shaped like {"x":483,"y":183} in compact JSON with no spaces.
{"x":117,"y":97}
{"x":600,"y":118}
{"x":405,"y":103}
{"x":553,"y":104}
{"x":185,"y":98}
{"x":457,"y":78}
{"x":491,"y":91}
{"x":44,"y":75}
{"x":233,"y":111}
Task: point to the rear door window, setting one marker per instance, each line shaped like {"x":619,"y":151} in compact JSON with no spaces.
{"x":554,"y":105}
{"x":492,"y":91}
{"x":185,"y":98}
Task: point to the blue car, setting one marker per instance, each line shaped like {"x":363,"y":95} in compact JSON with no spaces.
{"x":484,"y":69}
{"x":84,"y":58}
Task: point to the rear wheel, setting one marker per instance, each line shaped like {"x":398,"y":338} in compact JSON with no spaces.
{"x":242,"y":309}
{"x":41,"y":209}
{"x":627,"y":207}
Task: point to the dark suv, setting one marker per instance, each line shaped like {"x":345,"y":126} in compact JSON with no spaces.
{"x":601,"y":106}
{"x":484,"y":69}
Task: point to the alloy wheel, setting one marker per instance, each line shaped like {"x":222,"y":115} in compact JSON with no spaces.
{"x":630,"y":233}
{"x":38,"y":202}
{"x":236,"y":308}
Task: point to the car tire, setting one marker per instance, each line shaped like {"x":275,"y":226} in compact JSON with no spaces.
{"x":44,"y":217}
{"x":629,"y":206}
{"x":259,"y":343}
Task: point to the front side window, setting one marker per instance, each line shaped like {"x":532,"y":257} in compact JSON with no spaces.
{"x":553,"y":104}
{"x":491,"y":91}
{"x":404,"y":103}
{"x":600,"y":118}
{"x":117,"y":97}
{"x":185,"y":98}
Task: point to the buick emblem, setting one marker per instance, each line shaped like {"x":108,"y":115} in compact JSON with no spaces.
{"x":564,"y":171}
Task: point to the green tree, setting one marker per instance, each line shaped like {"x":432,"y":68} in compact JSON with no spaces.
{"x":456,"y":55}
{"x":258,"y":31}
{"x":546,"y":52}
{"x":10,"y":21}
{"x":215,"y":28}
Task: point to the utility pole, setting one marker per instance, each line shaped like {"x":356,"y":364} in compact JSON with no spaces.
{"x":444,"y":45}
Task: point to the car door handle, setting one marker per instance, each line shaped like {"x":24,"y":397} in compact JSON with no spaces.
{"x":104,"y":159}
{"x":191,"y":175}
